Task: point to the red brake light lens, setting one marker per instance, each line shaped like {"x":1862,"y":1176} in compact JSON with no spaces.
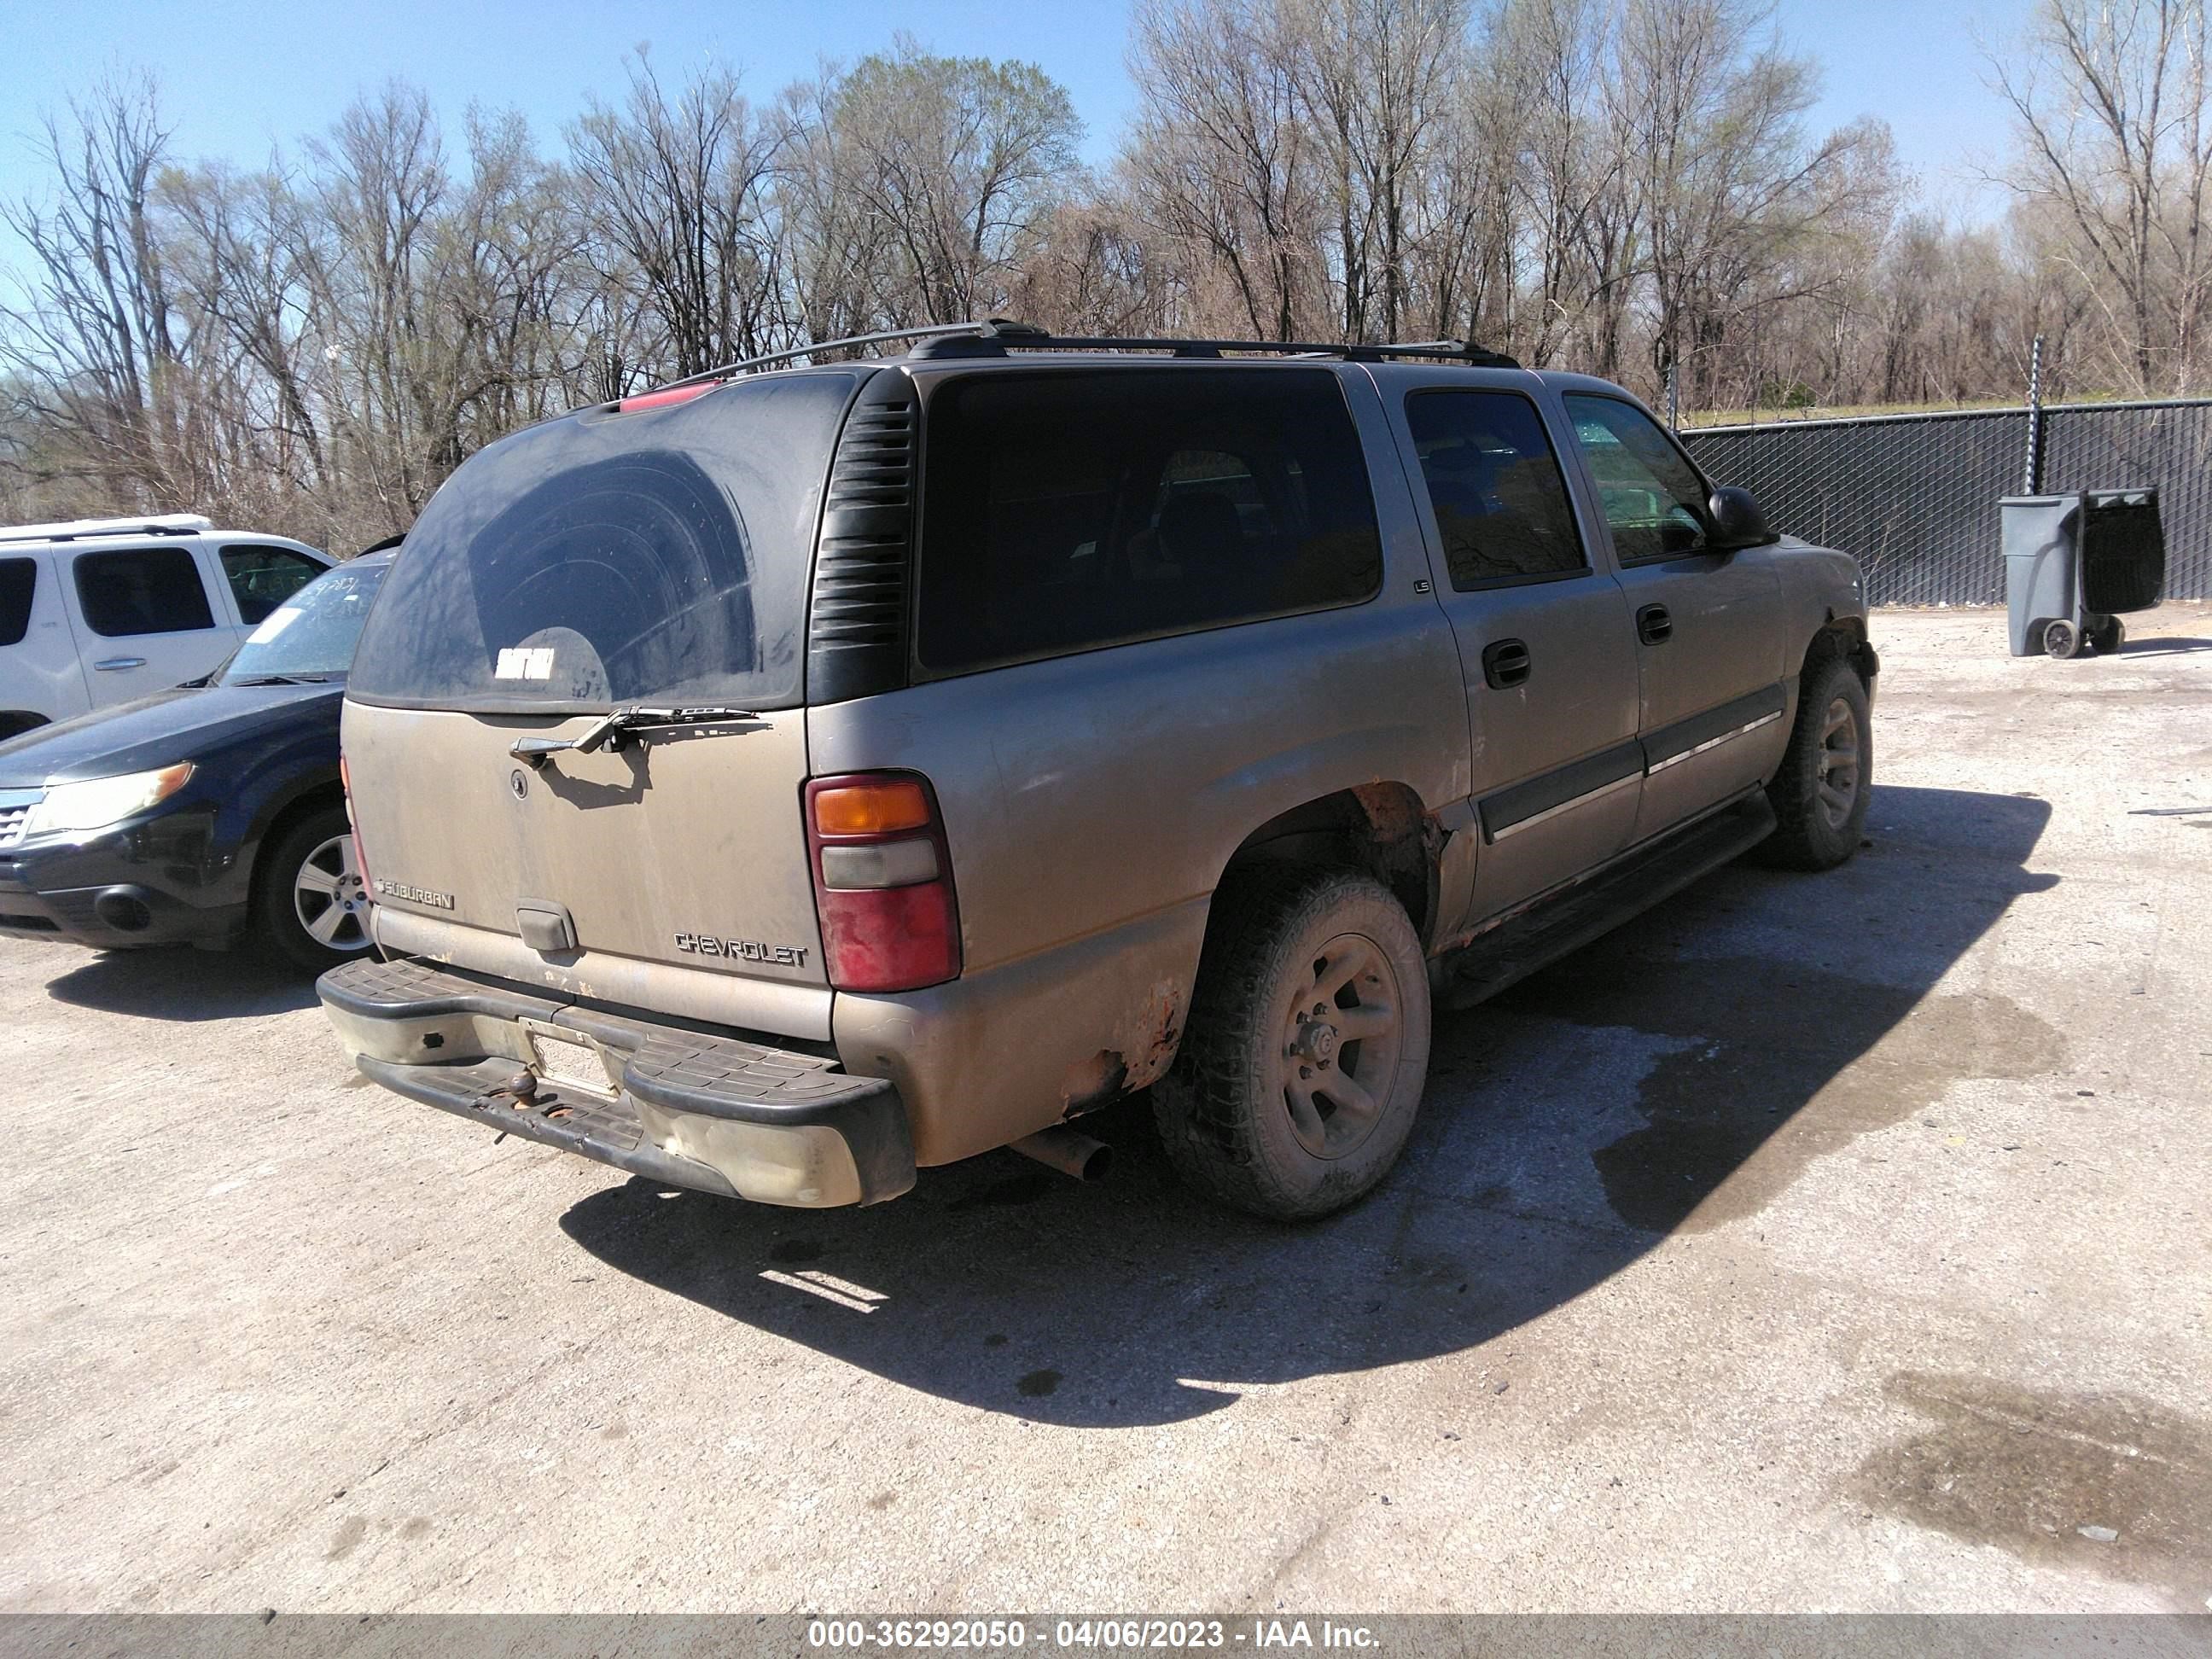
{"x":882,"y":882}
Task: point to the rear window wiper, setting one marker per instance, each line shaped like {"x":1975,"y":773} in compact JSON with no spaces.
{"x":607,"y":732}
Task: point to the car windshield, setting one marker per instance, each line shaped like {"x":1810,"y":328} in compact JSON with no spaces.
{"x":310,"y":636}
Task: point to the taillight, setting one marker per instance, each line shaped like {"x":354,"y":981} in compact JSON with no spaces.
{"x":882,"y":882}
{"x":353,"y":825}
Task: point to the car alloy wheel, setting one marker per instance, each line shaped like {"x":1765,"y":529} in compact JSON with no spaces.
{"x":331,"y":899}
{"x":1839,"y":764}
{"x":1340,"y":1046}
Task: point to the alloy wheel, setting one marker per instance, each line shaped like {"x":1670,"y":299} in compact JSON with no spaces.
{"x":1340,"y":1035}
{"x":331,"y":899}
{"x":1840,"y":764}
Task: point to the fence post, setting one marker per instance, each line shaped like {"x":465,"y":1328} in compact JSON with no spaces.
{"x":2033,"y":485}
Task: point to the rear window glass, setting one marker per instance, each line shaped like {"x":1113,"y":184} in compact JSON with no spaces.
{"x":19,"y":581}
{"x":141,"y":590}
{"x":1074,"y":509}
{"x":607,"y":559}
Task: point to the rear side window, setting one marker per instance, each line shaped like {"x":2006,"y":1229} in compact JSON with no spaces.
{"x":19,"y":582}
{"x":601,"y":559}
{"x":1500,"y":500}
{"x":263,"y":578}
{"x":141,"y":590}
{"x":1066,"y":510}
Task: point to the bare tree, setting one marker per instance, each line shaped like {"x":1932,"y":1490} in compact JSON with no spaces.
{"x":1609,"y":184}
{"x":2109,"y":102}
{"x":95,"y":353}
{"x":1387,"y":84}
{"x":1223,"y":158}
{"x":677,"y":192}
{"x":960,"y":163}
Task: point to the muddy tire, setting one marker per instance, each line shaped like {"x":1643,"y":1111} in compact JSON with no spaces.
{"x":1307,"y":1048}
{"x":1819,"y":793}
{"x":309,"y":903}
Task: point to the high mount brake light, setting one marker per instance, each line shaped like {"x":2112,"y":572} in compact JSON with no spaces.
{"x":663,"y":398}
{"x":882,"y":882}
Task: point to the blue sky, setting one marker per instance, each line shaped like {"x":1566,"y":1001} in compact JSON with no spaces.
{"x":240,"y":77}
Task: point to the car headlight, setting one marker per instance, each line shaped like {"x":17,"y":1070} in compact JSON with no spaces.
{"x":98,"y":802}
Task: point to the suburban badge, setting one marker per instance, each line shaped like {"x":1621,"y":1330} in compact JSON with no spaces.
{"x":400,"y":890}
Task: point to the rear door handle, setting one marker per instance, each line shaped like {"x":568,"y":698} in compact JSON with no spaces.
{"x":115,"y":663}
{"x":1653,"y":625}
{"x":1504,"y":663}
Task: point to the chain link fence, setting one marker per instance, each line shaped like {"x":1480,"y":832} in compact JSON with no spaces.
{"x":1915,"y":496}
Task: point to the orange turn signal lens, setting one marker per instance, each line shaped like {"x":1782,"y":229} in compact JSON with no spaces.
{"x":872,"y":809}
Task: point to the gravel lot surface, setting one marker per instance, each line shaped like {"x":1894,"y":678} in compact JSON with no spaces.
{"x":1826,"y":1241}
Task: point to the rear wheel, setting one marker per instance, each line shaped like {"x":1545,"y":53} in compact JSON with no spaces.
{"x":310,"y":903}
{"x":2061,"y":640}
{"x":1307,"y":1049}
{"x":2106,"y":634}
{"x":1820,"y":793}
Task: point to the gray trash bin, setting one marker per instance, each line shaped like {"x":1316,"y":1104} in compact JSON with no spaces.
{"x":2073,"y":562}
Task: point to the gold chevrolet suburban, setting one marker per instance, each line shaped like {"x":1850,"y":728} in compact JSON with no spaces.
{"x":790,"y":777}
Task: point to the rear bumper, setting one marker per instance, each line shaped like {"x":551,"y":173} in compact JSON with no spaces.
{"x":686,"y":1108}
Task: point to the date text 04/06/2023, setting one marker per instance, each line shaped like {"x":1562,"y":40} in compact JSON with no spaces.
{"x":997,"y":1635}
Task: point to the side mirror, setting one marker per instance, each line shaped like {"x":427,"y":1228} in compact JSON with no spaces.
{"x":1737,"y":521}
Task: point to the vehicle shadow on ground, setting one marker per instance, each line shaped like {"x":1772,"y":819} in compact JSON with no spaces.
{"x":180,"y":983}
{"x":2156,"y":645}
{"x":1679,"y":1074}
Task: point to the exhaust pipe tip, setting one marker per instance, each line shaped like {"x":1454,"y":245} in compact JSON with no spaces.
{"x":1068,"y":1150}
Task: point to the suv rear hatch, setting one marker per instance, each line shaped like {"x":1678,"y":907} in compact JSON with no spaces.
{"x":649,"y":557}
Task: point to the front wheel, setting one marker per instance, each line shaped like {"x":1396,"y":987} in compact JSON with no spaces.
{"x":1307,"y":1048}
{"x":310,"y":903}
{"x":1820,"y":793}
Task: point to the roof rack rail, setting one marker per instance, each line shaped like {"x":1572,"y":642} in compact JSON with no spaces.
{"x":70,"y":530}
{"x":993,"y":337}
{"x":999,"y":339}
{"x":746,"y":365}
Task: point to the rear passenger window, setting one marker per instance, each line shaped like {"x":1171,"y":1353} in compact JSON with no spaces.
{"x":19,"y":581}
{"x":1501,"y":502}
{"x":263,"y":578}
{"x":1069,"y":510}
{"x":141,"y":590}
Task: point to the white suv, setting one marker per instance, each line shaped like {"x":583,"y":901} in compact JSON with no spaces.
{"x":97,"y":611}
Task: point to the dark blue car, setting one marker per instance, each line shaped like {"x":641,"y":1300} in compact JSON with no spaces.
{"x":208,"y":815}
